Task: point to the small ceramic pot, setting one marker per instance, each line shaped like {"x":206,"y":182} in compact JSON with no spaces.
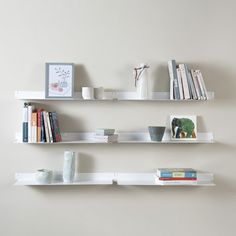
{"x":156,"y":132}
{"x":99,"y":93}
{"x":88,"y":92}
{"x":43,"y":176}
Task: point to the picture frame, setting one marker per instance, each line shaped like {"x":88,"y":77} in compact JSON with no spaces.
{"x":183,"y":127}
{"x":59,"y":80}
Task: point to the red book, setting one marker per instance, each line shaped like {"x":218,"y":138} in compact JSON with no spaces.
{"x":178,"y":179}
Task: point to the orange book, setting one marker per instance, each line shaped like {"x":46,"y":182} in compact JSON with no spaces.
{"x":34,"y":127}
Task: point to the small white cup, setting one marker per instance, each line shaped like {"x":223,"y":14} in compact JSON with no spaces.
{"x":99,"y":93}
{"x":88,"y":92}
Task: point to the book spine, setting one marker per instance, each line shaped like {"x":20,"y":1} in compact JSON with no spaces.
{"x":110,"y":138}
{"x":30,"y":123}
{"x":181,"y":95}
{"x":43,"y":135}
{"x":178,"y":175}
{"x":188,"y":81}
{"x":202,"y":84}
{"x":192,"y":87}
{"x":105,"y":132}
{"x":196,"y":85}
{"x":184,"y":81}
{"x":34,"y":127}
{"x":176,"y":182}
{"x":182,"y":179}
{"x":176,"y":84}
{"x":49,"y":128}
{"x":56,"y":127}
{"x":46,"y":127}
{"x":25,"y":124}
{"x":171,"y":80}
{"x":52,"y":127}
{"x":39,"y":126}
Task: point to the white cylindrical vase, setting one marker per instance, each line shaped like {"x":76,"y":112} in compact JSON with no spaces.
{"x":142,"y":82}
{"x":69,"y":167}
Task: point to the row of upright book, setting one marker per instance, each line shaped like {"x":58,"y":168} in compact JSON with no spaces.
{"x":185,"y":83}
{"x":39,"y":126}
{"x":176,"y":176}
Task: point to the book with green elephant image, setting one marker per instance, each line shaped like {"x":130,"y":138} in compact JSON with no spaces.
{"x":183,"y":127}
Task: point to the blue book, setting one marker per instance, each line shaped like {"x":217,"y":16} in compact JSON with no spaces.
{"x":176,"y":172}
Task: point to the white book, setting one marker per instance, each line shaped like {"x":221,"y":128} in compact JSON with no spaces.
{"x":107,"y":138}
{"x":171,"y":80}
{"x":49,"y":128}
{"x":180,"y":84}
{"x":184,"y":81}
{"x":196,"y":84}
{"x":192,"y":87}
{"x":30,"y":108}
{"x":104,"y":132}
{"x":202,"y":84}
{"x":175,"y":182}
{"x":46,"y":127}
{"x":203,"y":97}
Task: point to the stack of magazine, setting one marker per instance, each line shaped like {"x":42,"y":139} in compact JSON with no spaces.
{"x":106,"y":135}
{"x":185,"y":83}
{"x":39,"y":126}
{"x":176,"y":176}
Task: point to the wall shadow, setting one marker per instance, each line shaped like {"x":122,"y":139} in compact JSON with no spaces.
{"x":85,"y":163}
{"x":82,"y":77}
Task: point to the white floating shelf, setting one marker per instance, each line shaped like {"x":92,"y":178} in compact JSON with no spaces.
{"x":128,"y":179}
{"x":108,"y":96}
{"x":124,"y":138}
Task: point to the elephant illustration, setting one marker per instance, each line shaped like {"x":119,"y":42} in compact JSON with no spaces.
{"x":183,"y":128}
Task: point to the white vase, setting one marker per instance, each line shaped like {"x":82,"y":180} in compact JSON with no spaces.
{"x":69,"y":167}
{"x":142,"y":83}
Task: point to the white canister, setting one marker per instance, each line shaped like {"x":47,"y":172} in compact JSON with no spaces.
{"x":87,"y":92}
{"x":43,"y":176}
{"x":69,"y":167}
{"x":99,"y":93}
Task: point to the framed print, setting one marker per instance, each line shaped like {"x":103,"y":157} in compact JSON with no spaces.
{"x":183,"y":127}
{"x":59,"y":80}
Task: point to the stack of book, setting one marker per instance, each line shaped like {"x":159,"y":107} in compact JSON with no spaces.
{"x":186,"y":84}
{"x":106,"y":135}
{"x":40,"y":126}
{"x":176,"y":176}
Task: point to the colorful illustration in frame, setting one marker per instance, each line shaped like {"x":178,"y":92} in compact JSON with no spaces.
{"x":59,"y":80}
{"x":183,"y":127}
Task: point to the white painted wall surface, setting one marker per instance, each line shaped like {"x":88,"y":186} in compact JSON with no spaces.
{"x":106,"y":39}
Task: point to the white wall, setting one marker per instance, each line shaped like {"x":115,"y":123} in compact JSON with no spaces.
{"x":106,"y":38}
